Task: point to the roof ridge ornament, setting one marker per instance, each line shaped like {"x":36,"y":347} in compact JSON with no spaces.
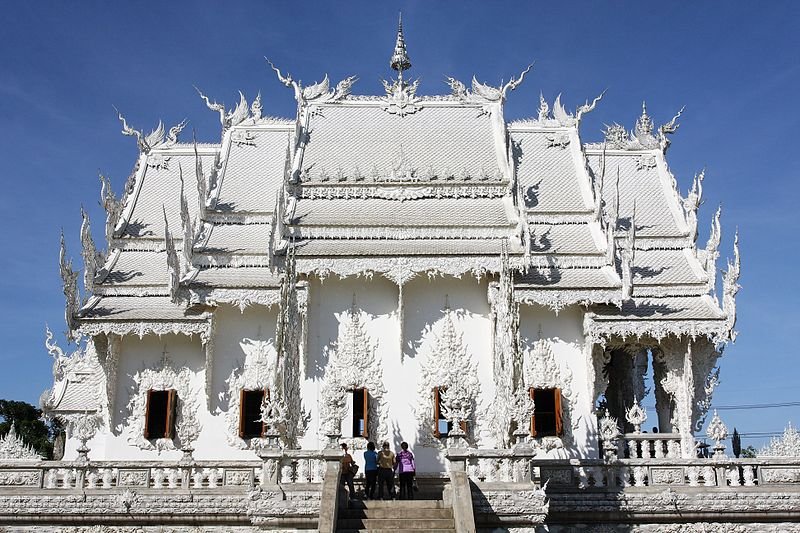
{"x":154,"y":139}
{"x":400,"y":60}
{"x":484,"y":93}
{"x":642,"y":136}
{"x":317,"y":93}
{"x":401,"y":97}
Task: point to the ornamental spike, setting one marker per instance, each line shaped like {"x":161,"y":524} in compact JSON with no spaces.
{"x":400,"y":60}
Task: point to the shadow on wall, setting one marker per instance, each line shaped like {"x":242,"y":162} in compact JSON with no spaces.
{"x":234,"y":331}
{"x":494,"y":514}
{"x":329,"y":300}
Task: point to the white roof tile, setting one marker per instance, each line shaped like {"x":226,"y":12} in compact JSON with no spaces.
{"x":547,"y":175}
{"x":446,"y":139}
{"x":424,"y":212}
{"x":253,"y":174}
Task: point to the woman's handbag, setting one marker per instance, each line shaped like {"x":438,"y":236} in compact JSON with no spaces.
{"x":353,"y":469}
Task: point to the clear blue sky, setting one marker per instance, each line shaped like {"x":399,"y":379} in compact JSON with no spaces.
{"x":735,"y":65}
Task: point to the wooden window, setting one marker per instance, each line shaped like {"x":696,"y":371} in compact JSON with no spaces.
{"x":159,"y":415}
{"x":546,"y":420}
{"x":360,"y":413}
{"x":250,"y":425}
{"x":442,"y":426}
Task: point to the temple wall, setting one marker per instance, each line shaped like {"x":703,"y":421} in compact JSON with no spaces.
{"x":565,"y":332}
{"x":239,"y":335}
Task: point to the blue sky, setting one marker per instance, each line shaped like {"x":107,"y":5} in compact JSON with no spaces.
{"x":735,"y":65}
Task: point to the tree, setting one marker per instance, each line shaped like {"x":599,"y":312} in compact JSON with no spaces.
{"x":749,"y":452}
{"x":30,"y":425}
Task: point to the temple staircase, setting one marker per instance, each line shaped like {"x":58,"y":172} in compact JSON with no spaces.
{"x":396,"y":516}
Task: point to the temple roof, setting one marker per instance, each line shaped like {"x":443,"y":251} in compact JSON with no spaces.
{"x":400,"y":184}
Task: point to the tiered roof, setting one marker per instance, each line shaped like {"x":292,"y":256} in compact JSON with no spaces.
{"x":401,"y":185}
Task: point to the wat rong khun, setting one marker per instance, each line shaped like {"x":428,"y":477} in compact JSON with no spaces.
{"x":397,"y":267}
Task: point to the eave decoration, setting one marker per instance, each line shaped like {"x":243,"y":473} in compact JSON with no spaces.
{"x":79,"y":370}
{"x":352,"y":365}
{"x":448,"y":366}
{"x":259,"y":372}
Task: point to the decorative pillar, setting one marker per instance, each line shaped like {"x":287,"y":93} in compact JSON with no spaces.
{"x":679,"y":384}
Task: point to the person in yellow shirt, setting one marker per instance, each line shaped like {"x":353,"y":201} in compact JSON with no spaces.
{"x":386,"y":471}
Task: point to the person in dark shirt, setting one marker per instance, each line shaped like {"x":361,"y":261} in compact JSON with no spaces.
{"x":370,"y":470}
{"x":347,"y":470}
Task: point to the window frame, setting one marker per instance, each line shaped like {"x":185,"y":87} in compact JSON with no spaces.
{"x":169,"y":417}
{"x":557,"y":413}
{"x":242,"y":421}
{"x":365,"y":410}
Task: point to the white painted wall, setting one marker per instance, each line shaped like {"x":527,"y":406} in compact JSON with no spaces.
{"x":565,"y":331}
{"x":377,"y":299}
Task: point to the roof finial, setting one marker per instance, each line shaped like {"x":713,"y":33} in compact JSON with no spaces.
{"x":400,"y":60}
{"x":644,"y":124}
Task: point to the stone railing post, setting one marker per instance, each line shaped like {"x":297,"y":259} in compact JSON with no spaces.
{"x":461,"y":491}
{"x":329,"y":503}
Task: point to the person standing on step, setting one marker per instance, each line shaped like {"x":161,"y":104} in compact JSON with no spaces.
{"x":348,"y":470}
{"x":386,"y":471}
{"x":406,"y":468}
{"x":370,"y":470}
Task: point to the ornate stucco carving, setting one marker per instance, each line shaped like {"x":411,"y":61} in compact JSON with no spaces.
{"x":14,"y":448}
{"x":642,"y":137}
{"x":228,"y":119}
{"x":93,"y":259}
{"x":146,"y":327}
{"x":69,"y":284}
{"x":352,"y":365}
{"x":447,"y":365}
{"x":708,"y":256}
{"x":318,"y":93}
{"x":482,"y":93}
{"x":259,"y":371}
{"x":600,"y":331}
{"x":730,"y":287}
{"x":679,"y":383}
{"x":542,"y":371}
{"x":173,"y":264}
{"x":112,"y":206}
{"x":154,"y":139}
{"x":289,"y":337}
{"x":787,"y":445}
{"x":163,"y":376}
{"x":692,"y":202}
{"x":78,"y":377}
{"x":506,"y":360}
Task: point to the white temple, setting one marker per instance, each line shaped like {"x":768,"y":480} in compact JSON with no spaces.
{"x":396,"y":268}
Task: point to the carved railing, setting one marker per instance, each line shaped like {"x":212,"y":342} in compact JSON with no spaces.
{"x":652,"y":445}
{"x":515,"y":466}
{"x":286,"y":467}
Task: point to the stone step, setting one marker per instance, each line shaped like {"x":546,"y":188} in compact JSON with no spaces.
{"x":398,"y":512}
{"x":397,"y":504}
{"x":423,"y":524}
{"x":450,"y":530}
